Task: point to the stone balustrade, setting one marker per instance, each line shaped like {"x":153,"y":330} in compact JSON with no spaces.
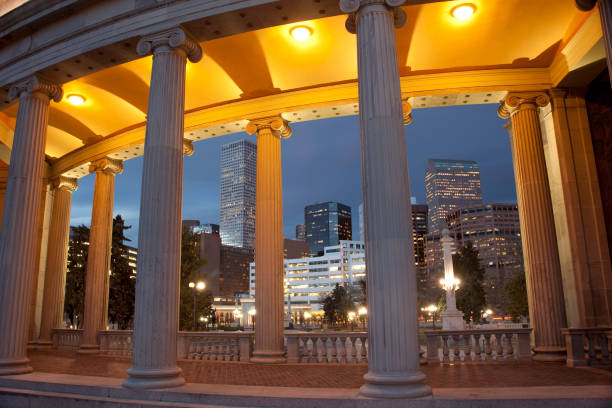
{"x":477,"y":345}
{"x":327,"y":347}
{"x":116,"y":342}
{"x":588,"y":347}
{"x":66,"y":339}
{"x":220,"y":346}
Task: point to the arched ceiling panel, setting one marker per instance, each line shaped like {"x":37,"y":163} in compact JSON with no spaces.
{"x":102,"y":111}
{"x":59,"y":142}
{"x":330,"y":55}
{"x":523,"y":33}
{"x":123,"y":83}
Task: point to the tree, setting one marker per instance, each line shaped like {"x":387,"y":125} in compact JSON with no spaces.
{"x":190,"y":272}
{"x":75,"y":276}
{"x":471,"y":298}
{"x":337,"y":305}
{"x":122,"y":286}
{"x":516,"y":292}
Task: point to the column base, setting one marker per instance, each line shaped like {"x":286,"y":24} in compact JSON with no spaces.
{"x":452,"y":320}
{"x":89,"y":349}
{"x":395,"y":386}
{"x":550,"y":353}
{"x":153,"y":378}
{"x":14,"y":366}
{"x":268,"y":357}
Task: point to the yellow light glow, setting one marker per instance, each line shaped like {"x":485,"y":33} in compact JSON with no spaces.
{"x":463,"y":11}
{"x":200,"y":285}
{"x":301,"y":33}
{"x":75,"y":99}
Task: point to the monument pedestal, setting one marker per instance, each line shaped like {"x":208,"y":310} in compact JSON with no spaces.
{"x":452,"y":320}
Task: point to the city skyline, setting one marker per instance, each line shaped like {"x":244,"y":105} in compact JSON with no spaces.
{"x":319,"y":168}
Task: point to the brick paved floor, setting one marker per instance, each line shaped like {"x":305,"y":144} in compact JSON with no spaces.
{"x":328,"y":375}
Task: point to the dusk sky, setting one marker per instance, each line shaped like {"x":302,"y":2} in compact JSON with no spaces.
{"x":322,"y":162}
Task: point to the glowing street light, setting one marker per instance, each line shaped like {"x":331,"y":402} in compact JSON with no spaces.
{"x":198,"y":286}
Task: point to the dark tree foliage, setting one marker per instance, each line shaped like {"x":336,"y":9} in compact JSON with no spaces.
{"x":122,"y":286}
{"x":190,"y":272}
{"x":75,"y":276}
{"x":516,"y":293}
{"x":362,"y":297}
{"x":471,"y":298}
{"x":337,"y":305}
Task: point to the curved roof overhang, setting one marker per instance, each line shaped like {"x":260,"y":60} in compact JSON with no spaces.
{"x":252,"y":67}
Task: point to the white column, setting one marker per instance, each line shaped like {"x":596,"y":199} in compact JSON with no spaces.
{"x":269,"y":264}
{"x":393,"y":344}
{"x":57,"y":253}
{"x":95,"y":310}
{"x":542,"y":267}
{"x":452,"y":319}
{"x":159,"y":235}
{"x":18,"y":236}
{"x":605,"y":14}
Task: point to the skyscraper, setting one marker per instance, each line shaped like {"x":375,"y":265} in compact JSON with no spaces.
{"x":419,"y":231}
{"x":450,"y":184}
{"x":238,"y":183}
{"x":327,"y":224}
{"x":300,"y":232}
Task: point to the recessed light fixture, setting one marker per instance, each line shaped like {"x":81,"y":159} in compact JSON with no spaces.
{"x":463,"y":11}
{"x":301,"y":33}
{"x":75,"y":99}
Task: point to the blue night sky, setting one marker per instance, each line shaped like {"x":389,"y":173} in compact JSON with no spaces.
{"x":321,"y":162}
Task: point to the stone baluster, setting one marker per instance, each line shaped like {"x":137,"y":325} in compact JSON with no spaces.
{"x":445,"y":352}
{"x":468,"y":348}
{"x":393,"y":355}
{"x":57,"y":253}
{"x":456,"y":349}
{"x":487,"y":347}
{"x":477,"y":348}
{"x":499,"y":349}
{"x":542,"y":266}
{"x":20,"y":219}
{"x":334,"y":358}
{"x":269,"y":265}
{"x":605,"y":14}
{"x":159,"y":234}
{"x":95,"y":309}
{"x":605,"y":352}
{"x":353,"y":349}
{"x":592,"y":339}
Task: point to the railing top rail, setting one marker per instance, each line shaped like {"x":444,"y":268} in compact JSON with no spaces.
{"x":123,"y":332}
{"x":217,"y":334}
{"x":327,"y":334}
{"x":477,"y":331}
{"x":67,"y":330}
{"x":578,"y":330}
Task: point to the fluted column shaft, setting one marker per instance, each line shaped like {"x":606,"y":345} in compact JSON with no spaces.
{"x":393,"y":355}
{"x":57,"y":252}
{"x":269,"y":264}
{"x":542,"y":267}
{"x":95,"y":310}
{"x":159,"y":236}
{"x":18,"y":240}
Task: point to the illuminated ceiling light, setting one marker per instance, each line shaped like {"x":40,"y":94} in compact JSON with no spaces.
{"x":75,"y":99}
{"x":301,"y":33}
{"x":463,"y":11}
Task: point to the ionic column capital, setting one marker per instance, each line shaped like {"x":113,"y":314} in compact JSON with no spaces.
{"x":174,"y":38}
{"x":106,"y":164}
{"x":585,"y":5}
{"x":64,"y":182}
{"x":354,"y":7}
{"x":277,"y":125}
{"x":188,"y":147}
{"x":516,"y":101}
{"x":407,"y":110}
{"x":36,"y":84}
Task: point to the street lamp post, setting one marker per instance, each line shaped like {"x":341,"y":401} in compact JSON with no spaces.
{"x":252,"y":314}
{"x":197,"y":287}
{"x":307,"y":317}
{"x":362,"y":312}
{"x":431,"y":309}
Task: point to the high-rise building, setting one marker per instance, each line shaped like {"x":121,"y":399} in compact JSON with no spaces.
{"x":494,"y":230}
{"x":309,"y":280}
{"x":361,"y":234}
{"x":327,"y":224}
{"x":419,"y":231}
{"x":450,"y":184}
{"x":300,"y":232}
{"x":238,"y":183}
